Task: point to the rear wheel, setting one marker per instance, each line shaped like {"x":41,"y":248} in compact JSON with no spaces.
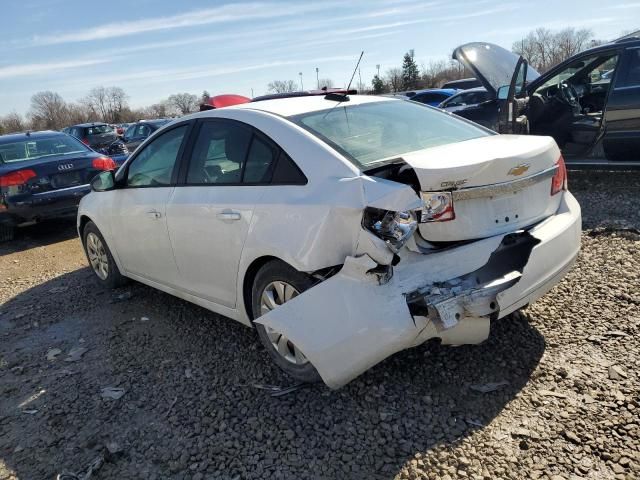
{"x":277,"y":283}
{"x":100,"y":258}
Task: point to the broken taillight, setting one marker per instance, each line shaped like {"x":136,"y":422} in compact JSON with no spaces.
{"x":395,"y":228}
{"x":438,"y":207}
{"x":559,"y":180}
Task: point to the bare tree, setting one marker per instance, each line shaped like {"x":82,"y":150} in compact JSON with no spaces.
{"x":393,"y":78}
{"x":106,"y":103}
{"x":282,"y":86}
{"x":12,"y":123}
{"x":48,"y":111}
{"x":184,"y":103}
{"x":544,"y":48}
{"x":157,"y":110}
{"x":325,"y":82}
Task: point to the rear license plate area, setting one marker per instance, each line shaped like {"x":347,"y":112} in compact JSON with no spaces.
{"x":66,"y":179}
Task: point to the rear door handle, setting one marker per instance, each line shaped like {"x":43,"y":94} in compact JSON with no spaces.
{"x":229,"y":215}
{"x":154,"y":214}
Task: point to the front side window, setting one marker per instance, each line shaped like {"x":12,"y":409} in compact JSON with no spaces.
{"x":375,"y":132}
{"x":587,"y":70}
{"x":154,"y":165}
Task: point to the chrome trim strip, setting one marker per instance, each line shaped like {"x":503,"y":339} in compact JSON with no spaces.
{"x":503,"y":188}
{"x":628,"y":87}
{"x":66,"y":189}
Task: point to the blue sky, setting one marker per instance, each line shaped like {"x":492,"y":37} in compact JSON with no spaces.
{"x":153,"y":48}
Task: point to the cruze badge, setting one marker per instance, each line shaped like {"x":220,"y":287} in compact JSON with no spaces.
{"x":519,"y":170}
{"x":453,"y":183}
{"x":65,"y":166}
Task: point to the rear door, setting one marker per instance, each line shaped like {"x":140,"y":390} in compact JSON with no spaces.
{"x":622,"y":115}
{"x":139,"y":219}
{"x":227,"y":172}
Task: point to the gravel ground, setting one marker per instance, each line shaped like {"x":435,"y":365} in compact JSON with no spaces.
{"x":565,"y":373}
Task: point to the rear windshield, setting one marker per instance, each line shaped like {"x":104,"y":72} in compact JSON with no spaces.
{"x":374,"y":132}
{"x":99,"y":130}
{"x":31,"y":149}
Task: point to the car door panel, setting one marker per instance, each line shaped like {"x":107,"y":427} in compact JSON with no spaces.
{"x":139,"y":208}
{"x":622,"y":116}
{"x":145,"y":250}
{"x":208,"y":226}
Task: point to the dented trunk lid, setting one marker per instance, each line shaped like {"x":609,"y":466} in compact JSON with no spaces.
{"x":499,"y":183}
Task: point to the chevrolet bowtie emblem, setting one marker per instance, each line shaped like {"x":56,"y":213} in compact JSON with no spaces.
{"x":519,"y":170}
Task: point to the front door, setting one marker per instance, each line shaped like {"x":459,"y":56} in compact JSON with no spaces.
{"x":622,"y":137}
{"x":210,"y":215}
{"x":139,"y":214}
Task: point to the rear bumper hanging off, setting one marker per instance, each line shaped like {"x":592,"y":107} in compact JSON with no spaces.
{"x":350,"y":322}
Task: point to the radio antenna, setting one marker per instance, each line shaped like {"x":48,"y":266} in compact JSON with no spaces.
{"x":355,"y":70}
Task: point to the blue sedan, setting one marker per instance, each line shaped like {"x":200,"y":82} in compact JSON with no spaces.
{"x":44,"y":175}
{"x":431,"y":96}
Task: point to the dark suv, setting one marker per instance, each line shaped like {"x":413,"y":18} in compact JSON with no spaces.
{"x":102,"y":138}
{"x":590,"y":103}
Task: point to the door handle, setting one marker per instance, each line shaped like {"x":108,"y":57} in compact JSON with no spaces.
{"x":229,"y":215}
{"x":154,"y":214}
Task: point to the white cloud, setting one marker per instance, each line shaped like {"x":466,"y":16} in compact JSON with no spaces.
{"x":30,"y":69}
{"x":222,"y":14}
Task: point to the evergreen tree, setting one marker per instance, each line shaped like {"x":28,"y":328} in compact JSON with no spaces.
{"x":378,"y":85}
{"x":410,"y":71}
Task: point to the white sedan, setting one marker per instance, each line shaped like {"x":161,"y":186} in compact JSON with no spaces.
{"x":343,"y":228}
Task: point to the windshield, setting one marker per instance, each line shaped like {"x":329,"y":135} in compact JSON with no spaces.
{"x":32,"y":149}
{"x":373,"y":132}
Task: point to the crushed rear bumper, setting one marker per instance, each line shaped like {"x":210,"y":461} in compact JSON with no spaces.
{"x":353,"y":320}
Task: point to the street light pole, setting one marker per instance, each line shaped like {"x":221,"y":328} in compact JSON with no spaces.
{"x":301,"y":84}
{"x":318,"y":77}
{"x":378,"y":68}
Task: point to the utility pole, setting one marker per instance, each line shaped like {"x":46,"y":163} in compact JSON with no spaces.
{"x":318,"y":77}
{"x":378,"y":68}
{"x":301,"y":85}
{"x":359,"y":80}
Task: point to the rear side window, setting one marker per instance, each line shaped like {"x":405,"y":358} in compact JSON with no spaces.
{"x":219,"y":153}
{"x":231,"y":153}
{"x":632,"y":77}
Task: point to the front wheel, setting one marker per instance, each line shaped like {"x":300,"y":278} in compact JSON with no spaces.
{"x":100,"y":258}
{"x":277,"y":283}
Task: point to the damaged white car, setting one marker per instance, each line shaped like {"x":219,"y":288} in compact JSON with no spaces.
{"x":344,"y":228}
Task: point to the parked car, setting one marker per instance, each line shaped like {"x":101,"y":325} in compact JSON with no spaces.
{"x":100,"y":137}
{"x":466,"y":99}
{"x":43,"y":175}
{"x":344,"y":228}
{"x":463,"y":83}
{"x":590,"y":103}
{"x":429,"y":96}
{"x":138,"y":132}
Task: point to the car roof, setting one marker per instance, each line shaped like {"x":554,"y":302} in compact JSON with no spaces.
{"x":447,"y":91}
{"x":296,"y":105}
{"x":17,"y":137}
{"x":89,"y":124}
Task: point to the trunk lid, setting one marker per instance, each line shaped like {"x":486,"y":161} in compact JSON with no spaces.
{"x":493,"y":65}
{"x":55,"y":173}
{"x":499,"y":183}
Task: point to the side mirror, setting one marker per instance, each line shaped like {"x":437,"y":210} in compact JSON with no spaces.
{"x":503,"y":92}
{"x":103,"y":182}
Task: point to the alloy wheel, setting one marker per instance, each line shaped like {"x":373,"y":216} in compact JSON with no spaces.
{"x":97,"y":256}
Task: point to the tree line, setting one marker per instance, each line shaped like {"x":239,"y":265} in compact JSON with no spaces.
{"x":543,"y":48}
{"x":50,"y":111}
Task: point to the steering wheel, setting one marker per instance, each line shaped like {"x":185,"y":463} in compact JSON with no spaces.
{"x":567,"y":94}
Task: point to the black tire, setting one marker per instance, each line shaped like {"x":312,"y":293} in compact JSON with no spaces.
{"x":7,"y":232}
{"x":276,"y":271}
{"x":114,"y":278}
